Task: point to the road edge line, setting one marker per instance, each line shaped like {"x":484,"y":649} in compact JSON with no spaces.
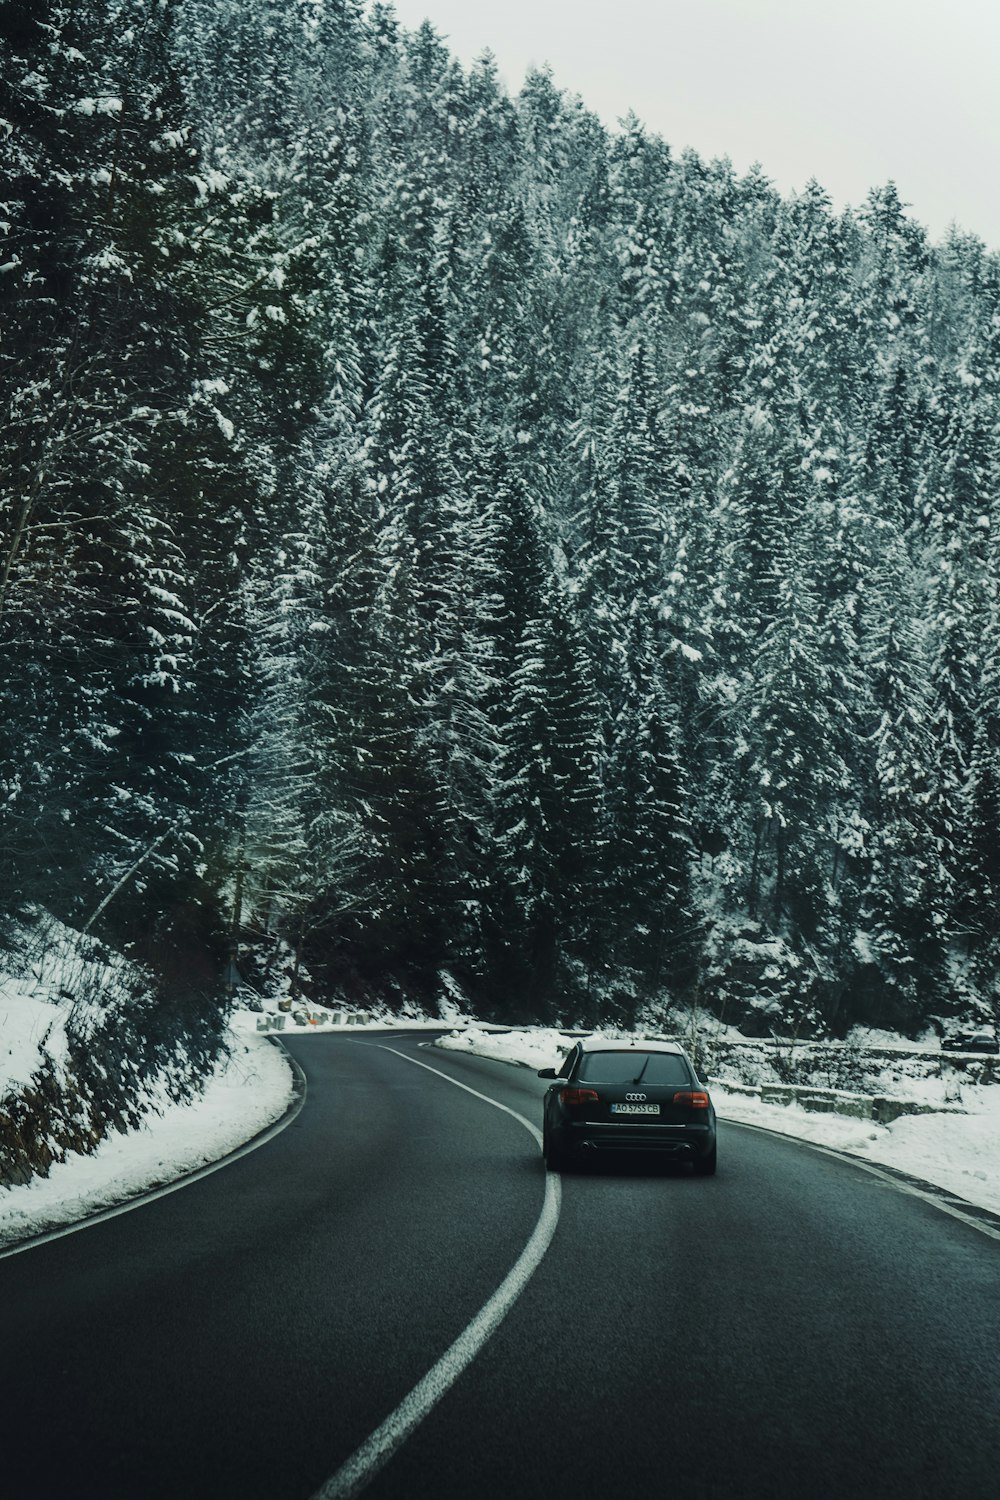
{"x":914,"y":1187}
{"x":150,"y":1195}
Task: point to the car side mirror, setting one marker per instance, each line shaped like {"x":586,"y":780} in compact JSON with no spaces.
{"x":547,"y":1073}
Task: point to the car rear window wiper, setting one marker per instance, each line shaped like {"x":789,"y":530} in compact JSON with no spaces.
{"x":645,"y":1065}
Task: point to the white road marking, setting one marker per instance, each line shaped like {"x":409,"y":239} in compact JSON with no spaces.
{"x":900,"y":1185}
{"x":150,"y":1195}
{"x":351,"y":1478}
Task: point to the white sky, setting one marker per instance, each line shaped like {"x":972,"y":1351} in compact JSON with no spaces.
{"x":851,"y":92}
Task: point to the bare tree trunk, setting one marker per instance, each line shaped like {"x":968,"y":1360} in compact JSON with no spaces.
{"x":755,"y":867}
{"x":300,"y":943}
{"x":125,"y":879}
{"x":238,"y":889}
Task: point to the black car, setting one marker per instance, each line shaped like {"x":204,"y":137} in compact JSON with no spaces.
{"x":627,"y":1096}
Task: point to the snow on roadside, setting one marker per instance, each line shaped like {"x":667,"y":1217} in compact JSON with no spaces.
{"x":543,"y":1047}
{"x":245,"y":1021}
{"x":253,"y":1086}
{"x":248,"y":1090}
{"x":958,"y":1152}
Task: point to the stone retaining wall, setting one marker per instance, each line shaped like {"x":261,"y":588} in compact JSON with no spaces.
{"x":837,"y":1064}
{"x":835,"y":1101}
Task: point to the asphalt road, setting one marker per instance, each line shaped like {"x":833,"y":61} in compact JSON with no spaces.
{"x":792,"y":1327}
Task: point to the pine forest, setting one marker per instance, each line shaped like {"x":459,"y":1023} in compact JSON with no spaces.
{"x":454,"y":550}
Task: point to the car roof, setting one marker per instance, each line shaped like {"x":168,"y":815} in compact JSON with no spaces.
{"x":630,"y":1044}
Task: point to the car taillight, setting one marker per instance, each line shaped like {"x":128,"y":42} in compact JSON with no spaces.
{"x":578,"y":1096}
{"x":692,"y":1099}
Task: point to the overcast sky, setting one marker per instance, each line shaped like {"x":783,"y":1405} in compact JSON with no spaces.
{"x":851,"y":92}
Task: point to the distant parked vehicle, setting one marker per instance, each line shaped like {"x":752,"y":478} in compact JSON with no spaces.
{"x":613,"y":1096}
{"x":972,"y":1041}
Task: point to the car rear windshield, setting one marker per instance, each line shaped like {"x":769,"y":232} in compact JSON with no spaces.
{"x":628,"y":1067}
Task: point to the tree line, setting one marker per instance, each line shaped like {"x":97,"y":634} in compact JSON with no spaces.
{"x":451,"y":548}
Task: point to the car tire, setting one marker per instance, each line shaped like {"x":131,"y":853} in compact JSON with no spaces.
{"x":704,"y":1166}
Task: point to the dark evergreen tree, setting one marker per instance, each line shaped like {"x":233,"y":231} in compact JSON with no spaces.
{"x":470,"y":549}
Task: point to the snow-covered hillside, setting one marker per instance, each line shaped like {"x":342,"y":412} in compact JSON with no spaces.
{"x":248,"y":1090}
{"x":91,"y":1110}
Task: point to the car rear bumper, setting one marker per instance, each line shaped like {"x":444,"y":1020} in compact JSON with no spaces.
{"x":685,"y":1142}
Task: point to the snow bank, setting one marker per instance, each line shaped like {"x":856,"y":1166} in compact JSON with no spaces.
{"x":48,"y":976}
{"x":541,"y":1048}
{"x":245,"y":1022}
{"x":248,"y":1090}
{"x":960,"y":1153}
{"x":55,"y":983}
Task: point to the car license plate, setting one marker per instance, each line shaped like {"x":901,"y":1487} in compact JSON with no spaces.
{"x":635,"y":1109}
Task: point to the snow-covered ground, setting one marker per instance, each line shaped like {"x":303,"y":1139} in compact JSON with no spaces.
{"x":246,"y":1021}
{"x":247,"y":1092}
{"x":50,"y":975}
{"x":959,"y":1152}
{"x":52,"y":979}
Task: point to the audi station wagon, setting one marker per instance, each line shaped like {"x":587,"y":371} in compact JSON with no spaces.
{"x":627,"y":1096}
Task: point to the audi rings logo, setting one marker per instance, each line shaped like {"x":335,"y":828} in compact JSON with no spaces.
{"x":635,"y":1098}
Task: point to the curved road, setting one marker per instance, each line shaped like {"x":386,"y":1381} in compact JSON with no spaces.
{"x":793,"y":1327}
